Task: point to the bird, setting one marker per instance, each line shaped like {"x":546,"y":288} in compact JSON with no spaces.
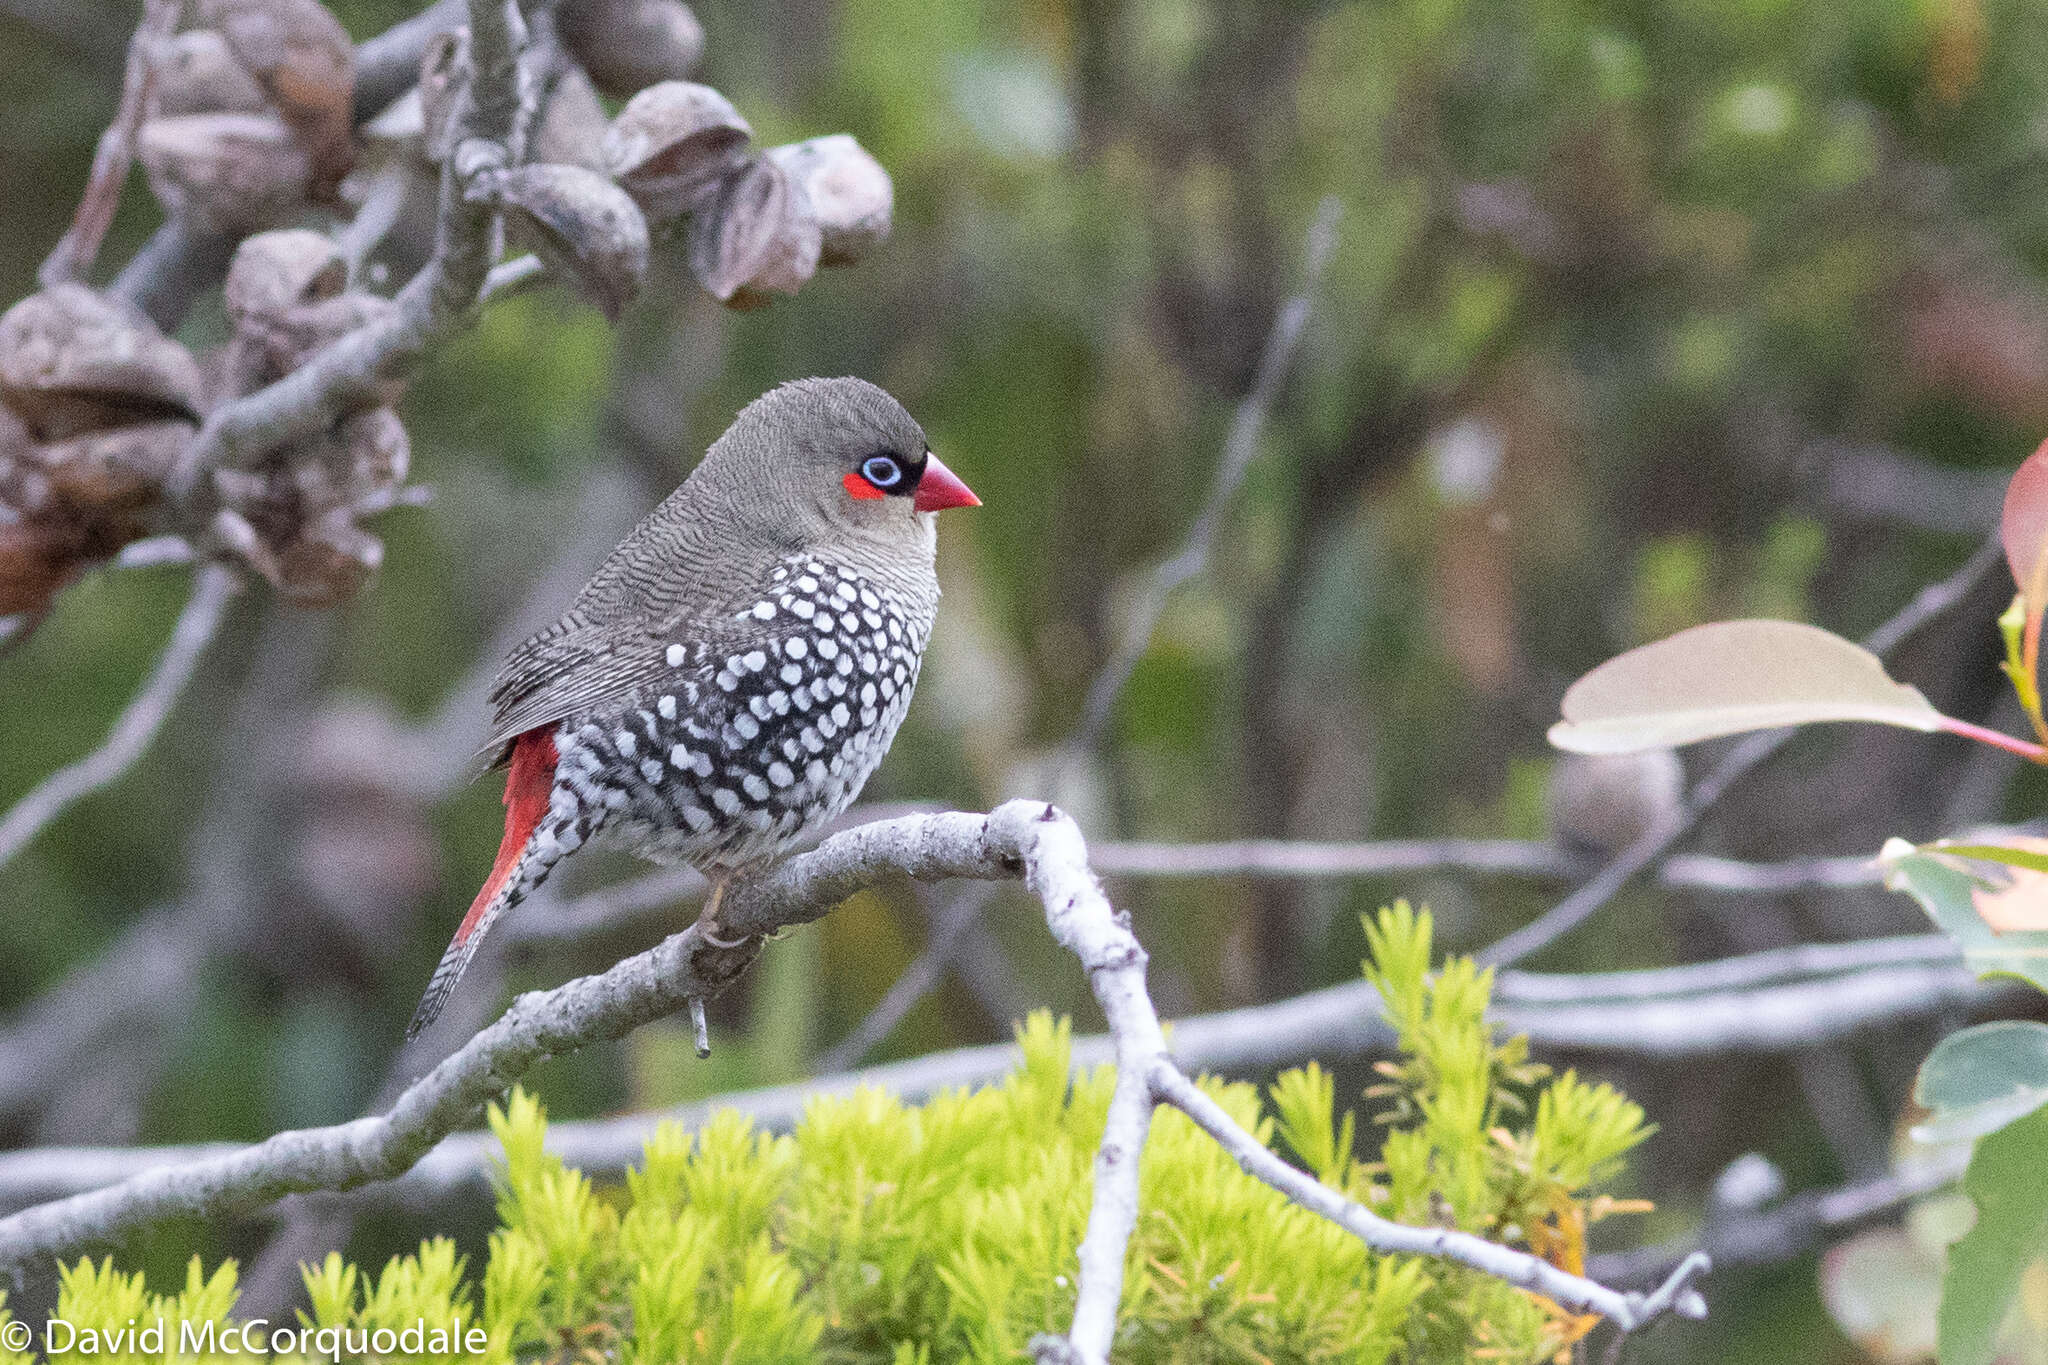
{"x":735,"y":670}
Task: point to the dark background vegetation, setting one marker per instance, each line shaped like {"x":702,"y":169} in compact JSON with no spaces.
{"x":1643,"y":314}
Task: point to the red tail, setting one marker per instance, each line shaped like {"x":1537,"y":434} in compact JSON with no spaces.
{"x":528,"y":789}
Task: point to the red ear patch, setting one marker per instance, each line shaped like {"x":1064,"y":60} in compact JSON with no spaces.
{"x":861,"y":488}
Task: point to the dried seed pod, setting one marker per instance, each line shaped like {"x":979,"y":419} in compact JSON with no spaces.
{"x":274,"y":271}
{"x":73,"y":361}
{"x":572,"y":124}
{"x":289,"y":337}
{"x":368,"y":453}
{"x":24,"y":488}
{"x":234,"y":173}
{"x":444,"y":77}
{"x":673,"y":146}
{"x":119,"y":469}
{"x":330,"y":562}
{"x":628,"y":45}
{"x":199,"y":75}
{"x":760,"y":236}
{"x":302,"y":57}
{"x":581,"y":223}
{"x":1605,"y":802}
{"x":36,"y":560}
{"x":849,"y":192}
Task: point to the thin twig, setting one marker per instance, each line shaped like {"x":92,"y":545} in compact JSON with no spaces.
{"x":1628,"y":1311}
{"x":137,"y":724}
{"x":1792,"y":1228}
{"x":152,"y":552}
{"x":383,"y":202}
{"x":949,"y":930}
{"x":74,"y":253}
{"x":1487,"y":857}
{"x":1238,"y":449}
{"x":1747,"y":755}
{"x":512,"y":277}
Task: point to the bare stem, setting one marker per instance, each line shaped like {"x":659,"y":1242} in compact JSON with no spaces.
{"x":137,"y":724}
{"x":1997,"y":739}
{"x":75,"y":251}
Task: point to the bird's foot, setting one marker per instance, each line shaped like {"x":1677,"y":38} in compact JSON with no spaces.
{"x":708,"y":929}
{"x":707,"y":918}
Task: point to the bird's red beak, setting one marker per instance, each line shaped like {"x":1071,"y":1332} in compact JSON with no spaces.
{"x":941,"y":488}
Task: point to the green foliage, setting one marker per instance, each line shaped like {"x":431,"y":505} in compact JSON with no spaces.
{"x":1951,"y":896}
{"x":880,"y":1233}
{"x":1461,"y":1150}
{"x":1984,"y":1268}
{"x":1981,"y":1078}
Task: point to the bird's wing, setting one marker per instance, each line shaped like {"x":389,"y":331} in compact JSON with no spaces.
{"x":575,"y":669}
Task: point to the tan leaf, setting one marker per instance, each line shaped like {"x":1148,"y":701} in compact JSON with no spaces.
{"x":1730,"y":677}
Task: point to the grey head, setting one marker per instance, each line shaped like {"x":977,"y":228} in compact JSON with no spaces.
{"x":821,"y":462}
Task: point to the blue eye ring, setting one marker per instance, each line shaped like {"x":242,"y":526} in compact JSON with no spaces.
{"x":882,"y":471}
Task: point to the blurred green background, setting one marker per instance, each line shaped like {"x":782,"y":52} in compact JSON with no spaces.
{"x":1642,"y":314}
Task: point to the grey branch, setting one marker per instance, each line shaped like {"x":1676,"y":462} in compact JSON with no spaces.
{"x":137,"y":725}
{"x":1869,"y":481}
{"x":645,"y":987}
{"x":1269,"y":858}
{"x":1081,"y":918}
{"x":1485,"y":857}
{"x":1628,"y":1311}
{"x":1790,"y":1229}
{"x":1747,"y":755}
{"x":1020,"y":839}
